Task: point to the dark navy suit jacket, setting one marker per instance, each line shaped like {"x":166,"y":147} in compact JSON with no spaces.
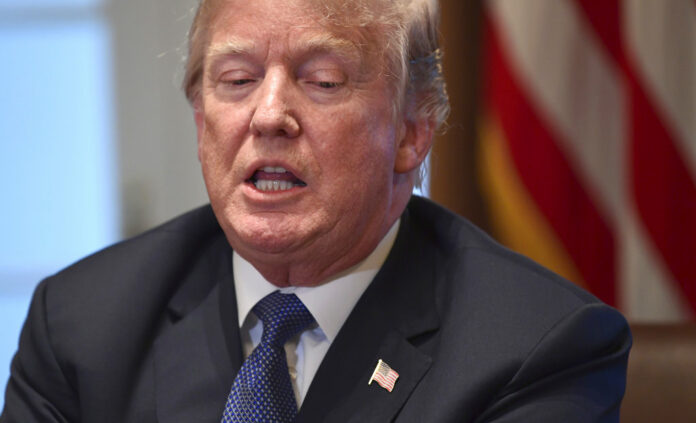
{"x":146,"y":331}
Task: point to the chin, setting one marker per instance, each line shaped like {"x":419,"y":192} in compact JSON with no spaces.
{"x":265,"y":236}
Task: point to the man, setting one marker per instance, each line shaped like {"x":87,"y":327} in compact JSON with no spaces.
{"x":314,"y":117}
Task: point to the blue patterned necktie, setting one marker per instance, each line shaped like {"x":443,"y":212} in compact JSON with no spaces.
{"x":262,"y":391}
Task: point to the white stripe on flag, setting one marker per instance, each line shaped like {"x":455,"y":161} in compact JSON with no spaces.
{"x":661,"y":38}
{"x":575,"y":86}
{"x":384,"y":375}
{"x":646,"y":291}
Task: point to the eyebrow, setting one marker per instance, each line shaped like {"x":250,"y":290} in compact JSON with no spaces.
{"x":326,"y":43}
{"x":229,"y":47}
{"x":322,"y":43}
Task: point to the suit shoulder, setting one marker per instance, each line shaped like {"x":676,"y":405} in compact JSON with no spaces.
{"x":467,"y":253}
{"x":510,"y":332}
{"x":183,"y":233}
{"x":130,"y":284}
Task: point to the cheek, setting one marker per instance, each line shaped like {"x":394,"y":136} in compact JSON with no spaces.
{"x":372,"y":145}
{"x":218,"y":148}
{"x":366,"y":133}
{"x":361,"y":158}
{"x":221,"y":136}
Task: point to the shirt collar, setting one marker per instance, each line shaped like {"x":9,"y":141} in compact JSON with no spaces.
{"x":329,"y":303}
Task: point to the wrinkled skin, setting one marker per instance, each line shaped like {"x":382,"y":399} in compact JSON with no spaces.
{"x":279,"y":89}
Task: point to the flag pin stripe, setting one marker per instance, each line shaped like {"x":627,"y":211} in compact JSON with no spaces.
{"x":384,"y":375}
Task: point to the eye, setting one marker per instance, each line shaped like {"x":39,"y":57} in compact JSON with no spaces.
{"x":327,"y":84}
{"x":236,"y":78}
{"x":236,"y":85}
{"x":323,"y":78}
{"x":238,"y":82}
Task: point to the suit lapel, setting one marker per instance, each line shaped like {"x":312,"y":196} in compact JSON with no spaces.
{"x":198,"y":354}
{"x":398,"y":306}
{"x":372,"y":403}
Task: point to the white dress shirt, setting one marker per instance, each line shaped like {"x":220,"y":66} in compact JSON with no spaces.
{"x":329,"y":303}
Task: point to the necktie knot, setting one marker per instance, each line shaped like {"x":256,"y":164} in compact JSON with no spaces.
{"x":283,"y":316}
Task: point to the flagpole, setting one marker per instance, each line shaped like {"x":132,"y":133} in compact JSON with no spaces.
{"x":379,"y":365}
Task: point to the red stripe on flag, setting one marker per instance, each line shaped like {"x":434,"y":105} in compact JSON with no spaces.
{"x":605,"y":18}
{"x":662,"y":186}
{"x":664,"y":192}
{"x":549,"y":177}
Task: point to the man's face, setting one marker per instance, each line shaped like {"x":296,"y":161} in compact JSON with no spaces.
{"x":297,"y":141}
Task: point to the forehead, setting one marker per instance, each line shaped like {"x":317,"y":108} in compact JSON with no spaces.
{"x":245,"y":24}
{"x":239,"y":13}
{"x":342,"y":12}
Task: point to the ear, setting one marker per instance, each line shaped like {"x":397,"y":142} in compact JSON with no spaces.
{"x":416,"y":139}
{"x":198,"y":117}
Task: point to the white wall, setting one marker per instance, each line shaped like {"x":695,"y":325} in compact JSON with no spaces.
{"x":159,"y":172}
{"x":97,"y":141}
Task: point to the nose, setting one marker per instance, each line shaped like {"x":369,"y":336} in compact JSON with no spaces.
{"x":274,"y":115}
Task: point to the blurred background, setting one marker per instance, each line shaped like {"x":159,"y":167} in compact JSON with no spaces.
{"x":572,"y":138}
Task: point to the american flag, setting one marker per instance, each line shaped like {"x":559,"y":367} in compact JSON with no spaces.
{"x":384,"y":375}
{"x":588,"y":145}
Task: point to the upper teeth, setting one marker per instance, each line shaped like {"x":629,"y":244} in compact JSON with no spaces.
{"x":273,"y":185}
{"x":265,"y":185}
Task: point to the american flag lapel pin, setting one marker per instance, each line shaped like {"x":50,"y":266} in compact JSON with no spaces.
{"x":384,"y":375}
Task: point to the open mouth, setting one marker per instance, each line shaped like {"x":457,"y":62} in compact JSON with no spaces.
{"x":275,"y":178}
